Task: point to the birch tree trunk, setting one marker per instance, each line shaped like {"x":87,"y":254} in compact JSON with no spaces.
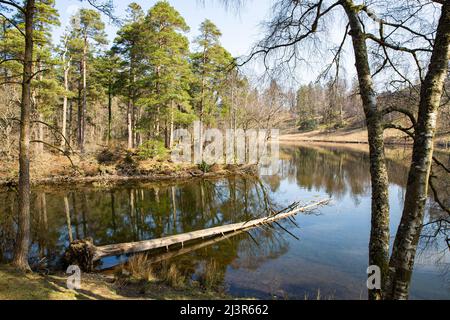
{"x":408,"y":233}
{"x":84,"y":97}
{"x":64,"y":121}
{"x":109,"y":114}
{"x":158,"y":125}
{"x":69,"y":127}
{"x":130,"y":124}
{"x":80,"y":111}
{"x":66,"y":88}
{"x":379,"y":235}
{"x":172,"y":112}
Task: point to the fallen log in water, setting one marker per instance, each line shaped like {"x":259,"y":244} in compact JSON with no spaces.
{"x":188,"y":249}
{"x":84,"y":253}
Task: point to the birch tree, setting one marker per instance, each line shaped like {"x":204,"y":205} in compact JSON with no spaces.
{"x":299,"y":25}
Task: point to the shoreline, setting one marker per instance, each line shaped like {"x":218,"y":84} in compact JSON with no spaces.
{"x":97,"y":177}
{"x":293,"y":140}
{"x":353,"y":145}
{"x":107,"y":180}
{"x":356,"y":136}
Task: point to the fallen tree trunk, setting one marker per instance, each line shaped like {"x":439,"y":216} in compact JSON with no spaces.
{"x":149,"y":260}
{"x":84,"y":253}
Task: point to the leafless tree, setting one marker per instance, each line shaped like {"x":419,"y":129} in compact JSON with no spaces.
{"x":382,"y":34}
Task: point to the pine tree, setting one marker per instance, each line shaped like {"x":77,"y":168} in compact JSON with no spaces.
{"x":22,"y":33}
{"x":106,"y":73}
{"x":167,"y":54}
{"x":26,"y":60}
{"x":46,"y":87}
{"x":87,"y":29}
{"x":129,"y":45}
{"x":210,"y":63}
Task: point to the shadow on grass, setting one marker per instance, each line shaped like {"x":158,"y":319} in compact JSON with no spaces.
{"x":16,"y":285}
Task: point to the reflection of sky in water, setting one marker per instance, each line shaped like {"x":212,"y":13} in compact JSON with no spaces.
{"x":331,"y":257}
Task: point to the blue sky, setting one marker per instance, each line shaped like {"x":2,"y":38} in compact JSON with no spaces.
{"x":240,"y":29}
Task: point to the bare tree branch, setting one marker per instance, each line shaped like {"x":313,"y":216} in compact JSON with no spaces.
{"x":13,"y":4}
{"x":265,"y":47}
{"x":436,"y":195}
{"x":398,"y":127}
{"x":404,"y":111}
{"x":395,"y":47}
{"x":439,"y":163}
{"x":56,"y":132}
{"x":11,"y":59}
{"x":58,"y":149}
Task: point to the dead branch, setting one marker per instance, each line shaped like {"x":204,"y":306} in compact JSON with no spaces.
{"x":58,"y":149}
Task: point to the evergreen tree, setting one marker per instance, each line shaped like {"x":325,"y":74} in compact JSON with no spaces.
{"x":87,"y":29}
{"x":46,"y":87}
{"x":106,"y":73}
{"x":211,"y":64}
{"x":167,"y":54}
{"x":129,"y":45}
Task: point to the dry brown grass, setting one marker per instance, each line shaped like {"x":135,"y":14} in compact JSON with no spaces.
{"x":211,"y":278}
{"x":49,"y":165}
{"x":359,"y":136}
{"x":139,"y":268}
{"x":343,"y":136}
{"x":155,"y":166}
{"x":172,"y":276}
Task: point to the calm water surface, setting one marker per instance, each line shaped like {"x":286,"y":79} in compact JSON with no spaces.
{"x":329,"y":256}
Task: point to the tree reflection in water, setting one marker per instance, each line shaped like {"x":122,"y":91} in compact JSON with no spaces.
{"x":135,"y":212}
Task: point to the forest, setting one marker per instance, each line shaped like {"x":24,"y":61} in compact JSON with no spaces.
{"x":91,"y":115}
{"x":132,"y":92}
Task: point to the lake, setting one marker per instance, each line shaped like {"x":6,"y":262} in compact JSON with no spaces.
{"x":324,"y":252}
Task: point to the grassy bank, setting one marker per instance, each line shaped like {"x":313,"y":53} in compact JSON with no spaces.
{"x":354,"y":136}
{"x":33,"y":286}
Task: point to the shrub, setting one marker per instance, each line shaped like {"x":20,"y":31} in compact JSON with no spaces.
{"x":204,"y":167}
{"x":307,"y":125}
{"x":128,"y":165}
{"x":339,"y":125}
{"x":106,"y":156}
{"x":152,"y":149}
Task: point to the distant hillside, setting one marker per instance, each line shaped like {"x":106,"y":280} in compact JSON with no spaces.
{"x":354,"y":136}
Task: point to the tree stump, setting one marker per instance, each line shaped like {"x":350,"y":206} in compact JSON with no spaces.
{"x":81,"y":253}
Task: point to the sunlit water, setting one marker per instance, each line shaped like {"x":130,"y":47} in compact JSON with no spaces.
{"x":329,"y":258}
